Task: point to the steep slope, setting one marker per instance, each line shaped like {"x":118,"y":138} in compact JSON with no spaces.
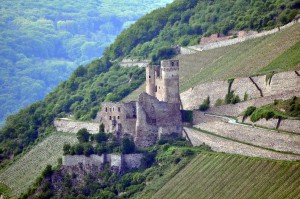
{"x":256,"y":56}
{"x":231,"y":176}
{"x":103,"y":79}
{"x":27,"y":168}
{"x":43,"y":42}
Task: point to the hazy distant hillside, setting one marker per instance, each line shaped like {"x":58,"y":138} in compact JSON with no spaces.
{"x":42,"y":42}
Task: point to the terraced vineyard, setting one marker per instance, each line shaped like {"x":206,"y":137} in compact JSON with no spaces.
{"x":217,"y":175}
{"x":256,"y":56}
{"x":21,"y":174}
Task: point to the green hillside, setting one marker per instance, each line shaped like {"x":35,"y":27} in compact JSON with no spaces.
{"x":278,"y":52}
{"x":27,"y":168}
{"x":103,"y":79}
{"x":230,"y":176}
{"x":43,"y":42}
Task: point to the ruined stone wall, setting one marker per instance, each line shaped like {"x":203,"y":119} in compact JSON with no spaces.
{"x":162,"y":81}
{"x":119,"y":118}
{"x":132,"y":161}
{"x":117,"y":161}
{"x":70,"y":126}
{"x":73,"y":160}
{"x":285,"y":84}
{"x":156,"y":119}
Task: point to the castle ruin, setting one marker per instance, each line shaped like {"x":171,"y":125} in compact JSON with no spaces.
{"x":156,"y":114}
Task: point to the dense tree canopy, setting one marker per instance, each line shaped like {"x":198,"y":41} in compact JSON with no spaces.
{"x":42,"y":42}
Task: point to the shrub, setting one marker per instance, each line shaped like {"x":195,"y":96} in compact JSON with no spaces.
{"x":249,"y":111}
{"x":205,"y":105}
{"x":83,"y":135}
{"x":47,"y":171}
{"x":128,"y":145}
{"x":100,"y":137}
{"x":219,"y":102}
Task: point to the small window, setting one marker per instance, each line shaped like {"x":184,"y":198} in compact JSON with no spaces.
{"x":172,"y":63}
{"x":114,"y":117}
{"x":155,"y":88}
{"x":149,"y":76}
{"x":106,"y":109}
{"x":118,"y":117}
{"x":109,"y":117}
{"x":110,"y":109}
{"x":119,"y":109}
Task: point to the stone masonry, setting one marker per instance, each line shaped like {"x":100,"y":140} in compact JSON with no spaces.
{"x":283,"y":85}
{"x":157,"y":112}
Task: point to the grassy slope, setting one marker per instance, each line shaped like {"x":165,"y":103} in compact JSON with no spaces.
{"x":257,"y":56}
{"x":5,"y":191}
{"x":22,"y":173}
{"x":229,"y":176}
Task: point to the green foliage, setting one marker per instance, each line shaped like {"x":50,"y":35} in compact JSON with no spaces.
{"x":162,"y":54}
{"x":249,"y":111}
{"x":205,"y":105}
{"x":203,"y":176}
{"x":269,"y":77}
{"x":231,"y":98}
{"x":246,"y":96}
{"x":128,"y":145}
{"x":83,"y":135}
{"x":187,"y":116}
{"x":41,"y":46}
{"x":100,"y":137}
{"x":47,"y":171}
{"x":219,"y":102}
{"x":285,"y":61}
{"x":279,"y":109}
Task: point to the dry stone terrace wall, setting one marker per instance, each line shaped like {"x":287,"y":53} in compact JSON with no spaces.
{"x":257,"y":136}
{"x":71,"y":126}
{"x":227,"y":146}
{"x":285,"y":125}
{"x":282,"y":85}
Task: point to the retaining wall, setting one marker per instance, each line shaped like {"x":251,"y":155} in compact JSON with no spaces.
{"x":285,"y":125}
{"x":120,"y":161}
{"x":70,"y":126}
{"x":236,"y":40}
{"x":282,"y":85}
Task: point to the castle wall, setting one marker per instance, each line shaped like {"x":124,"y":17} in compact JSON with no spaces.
{"x":73,"y":160}
{"x":70,"y":126}
{"x":162,"y":81}
{"x":285,"y":84}
{"x":120,"y":162}
{"x":118,"y":118}
{"x":156,"y":119}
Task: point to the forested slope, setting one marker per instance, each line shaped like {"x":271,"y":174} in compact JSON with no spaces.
{"x":103,"y":79}
{"x":43,"y":42}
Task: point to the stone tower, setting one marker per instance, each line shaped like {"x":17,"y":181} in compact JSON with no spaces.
{"x":162,"y":81}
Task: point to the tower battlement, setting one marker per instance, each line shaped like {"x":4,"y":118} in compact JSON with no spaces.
{"x":162,"y":81}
